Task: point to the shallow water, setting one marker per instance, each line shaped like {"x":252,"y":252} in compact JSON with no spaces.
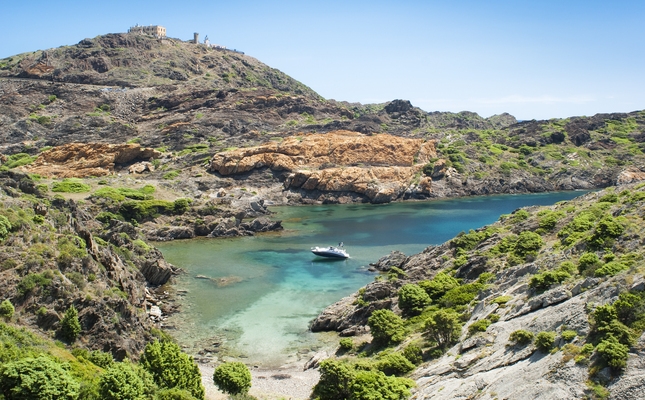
{"x":265,"y":290}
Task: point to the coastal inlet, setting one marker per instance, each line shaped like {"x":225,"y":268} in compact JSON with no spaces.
{"x":253,"y":298}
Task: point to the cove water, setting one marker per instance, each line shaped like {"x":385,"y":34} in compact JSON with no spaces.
{"x":253,"y":298}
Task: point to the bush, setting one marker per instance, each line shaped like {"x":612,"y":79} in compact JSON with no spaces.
{"x":606,"y":230}
{"x":346,"y":344}
{"x":100,"y":358}
{"x":70,"y":186}
{"x":569,"y":335}
{"x":549,"y":220}
{"x":521,"y":337}
{"x":461,"y":295}
{"x":386,"y":327}
{"x":335,"y":381}
{"x":369,"y":385}
{"x":5,"y":227}
{"x":610,"y":269}
{"x":37,"y":378}
{"x":528,"y":243}
{"x":173,"y":394}
{"x":444,"y":327}
{"x":232,"y":378}
{"x":479,"y":326}
{"x":413,"y":299}
{"x":544,"y":280}
{"x":6,"y":309}
{"x":439,"y":285}
{"x":70,"y":327}
{"x":170,"y":368}
{"x":544,"y":340}
{"x":586,"y":261}
{"x":121,"y":382}
{"x":613,"y":352}
{"x":31,"y":281}
{"x":502,"y":300}
{"x":18,"y":160}
{"x":413,"y":353}
{"x":394,"y":364}
{"x":140,"y":210}
{"x":341,"y":381}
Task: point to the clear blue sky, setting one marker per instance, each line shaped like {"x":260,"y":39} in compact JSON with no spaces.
{"x":534,"y":59}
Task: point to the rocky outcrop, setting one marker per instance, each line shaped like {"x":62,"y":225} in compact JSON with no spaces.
{"x":79,"y":160}
{"x":378,"y":167}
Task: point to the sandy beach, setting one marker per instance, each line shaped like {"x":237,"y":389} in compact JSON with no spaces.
{"x":289,"y":383}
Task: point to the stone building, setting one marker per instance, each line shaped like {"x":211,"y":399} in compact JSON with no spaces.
{"x":154,"y":30}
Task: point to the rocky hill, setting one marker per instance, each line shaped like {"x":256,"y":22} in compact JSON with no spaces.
{"x":547,"y":303}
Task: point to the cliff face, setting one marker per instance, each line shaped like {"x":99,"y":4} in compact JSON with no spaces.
{"x":378,"y":167}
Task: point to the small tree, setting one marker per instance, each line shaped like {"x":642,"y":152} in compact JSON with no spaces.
{"x":171,"y":368}
{"x":232,"y":378}
{"x":386,"y":327}
{"x":70,"y":326}
{"x":37,"y":378}
{"x":6,"y":310}
{"x":413,"y":299}
{"x":613,"y":352}
{"x":444,"y":327}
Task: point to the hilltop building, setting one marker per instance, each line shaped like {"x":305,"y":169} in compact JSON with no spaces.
{"x":157,"y":31}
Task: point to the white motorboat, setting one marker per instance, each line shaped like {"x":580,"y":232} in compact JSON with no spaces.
{"x":331,"y":252}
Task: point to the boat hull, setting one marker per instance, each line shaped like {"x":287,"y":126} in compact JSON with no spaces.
{"x":328,"y":252}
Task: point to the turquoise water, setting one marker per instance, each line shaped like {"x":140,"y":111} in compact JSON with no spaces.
{"x":265,"y":290}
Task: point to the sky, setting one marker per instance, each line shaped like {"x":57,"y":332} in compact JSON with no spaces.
{"x":537,"y":59}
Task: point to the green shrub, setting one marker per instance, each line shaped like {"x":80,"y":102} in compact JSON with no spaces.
{"x":521,"y":337}
{"x":470,"y":240}
{"x":549,"y":220}
{"x":386,"y":327}
{"x":439,"y":285}
{"x":369,"y":385}
{"x":37,"y":378}
{"x":174,"y":394}
{"x":610,"y":269}
{"x":5,"y":227}
{"x":544,"y":341}
{"x":31,"y":281}
{"x":606,"y":230}
{"x":171,"y":368}
{"x":141,"y":210}
{"x":6,"y":309}
{"x":518,"y":216}
{"x":413,"y":299}
{"x":18,"y":160}
{"x":181,"y":205}
{"x":479,"y":326}
{"x":444,"y":327}
{"x":569,"y":335}
{"x":70,"y":326}
{"x":171,"y":175}
{"x":394,"y":364}
{"x":70,"y":186}
{"x":413,"y":353}
{"x":528,"y":243}
{"x":120,"y":382}
{"x":106,"y":217}
{"x":100,"y":358}
{"x":346,"y":344}
{"x":544,"y":280}
{"x":335,"y":380}
{"x":339,"y":380}
{"x":502,"y":300}
{"x":613,"y":352}
{"x":232,"y":378}
{"x":461,"y":295}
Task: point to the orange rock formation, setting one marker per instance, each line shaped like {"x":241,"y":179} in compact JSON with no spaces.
{"x":79,"y":160}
